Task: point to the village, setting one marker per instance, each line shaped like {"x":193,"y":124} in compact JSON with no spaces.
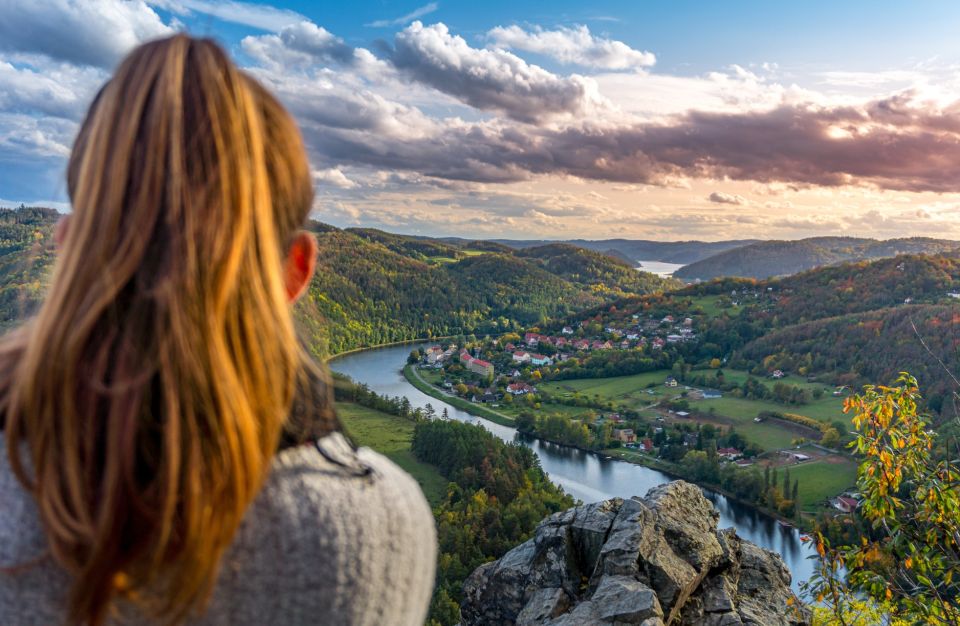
{"x":656,"y":417}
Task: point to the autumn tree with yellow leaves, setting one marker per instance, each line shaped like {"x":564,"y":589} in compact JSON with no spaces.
{"x":908,"y":563}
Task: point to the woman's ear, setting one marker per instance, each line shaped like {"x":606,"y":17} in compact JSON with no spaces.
{"x":299,"y":265}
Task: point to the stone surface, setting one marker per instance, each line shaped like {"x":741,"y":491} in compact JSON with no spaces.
{"x":652,"y":561}
{"x":544,"y":604}
{"x":625,"y":599}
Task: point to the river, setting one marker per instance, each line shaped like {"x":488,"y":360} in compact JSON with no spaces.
{"x":584,"y":475}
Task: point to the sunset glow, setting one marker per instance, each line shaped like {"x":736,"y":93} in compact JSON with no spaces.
{"x":510,"y":121}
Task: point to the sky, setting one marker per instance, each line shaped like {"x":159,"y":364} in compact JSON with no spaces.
{"x":661,"y":120}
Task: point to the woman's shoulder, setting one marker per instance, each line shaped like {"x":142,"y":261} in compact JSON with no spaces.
{"x":336,"y":535}
{"x":335,"y":532}
{"x":21,"y":532}
{"x":328,"y":474}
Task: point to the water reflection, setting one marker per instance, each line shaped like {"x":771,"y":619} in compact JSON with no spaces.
{"x":583,"y":475}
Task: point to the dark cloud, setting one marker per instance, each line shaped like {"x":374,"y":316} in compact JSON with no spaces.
{"x":721,"y":197}
{"x":894,"y":144}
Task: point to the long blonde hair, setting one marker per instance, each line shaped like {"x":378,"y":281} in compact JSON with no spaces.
{"x":151,"y":388}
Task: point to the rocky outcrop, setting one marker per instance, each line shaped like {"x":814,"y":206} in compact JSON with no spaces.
{"x":652,"y":561}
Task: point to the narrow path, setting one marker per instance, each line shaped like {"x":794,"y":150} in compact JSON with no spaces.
{"x":434,"y":390}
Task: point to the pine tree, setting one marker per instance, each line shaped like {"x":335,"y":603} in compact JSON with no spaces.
{"x":796,"y":499}
{"x":766,"y":477}
{"x":786,"y":483}
{"x":446,"y":413}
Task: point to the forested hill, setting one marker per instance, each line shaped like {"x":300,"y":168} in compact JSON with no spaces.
{"x":874,"y":346}
{"x":782,"y":258}
{"x":373,"y":287}
{"x":26,"y":256}
{"x":865,"y":286}
{"x":851,"y":324}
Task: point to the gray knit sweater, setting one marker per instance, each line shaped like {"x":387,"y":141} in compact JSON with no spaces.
{"x":335,"y":537}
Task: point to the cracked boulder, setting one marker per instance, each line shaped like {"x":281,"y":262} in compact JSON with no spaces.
{"x":652,"y":561}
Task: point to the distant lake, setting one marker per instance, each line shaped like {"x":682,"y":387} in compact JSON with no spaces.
{"x":659,"y":267}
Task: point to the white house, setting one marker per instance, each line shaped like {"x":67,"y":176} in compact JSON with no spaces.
{"x":519,"y":389}
{"x":521,"y":357}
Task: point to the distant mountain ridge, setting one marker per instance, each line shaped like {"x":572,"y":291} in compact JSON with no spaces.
{"x":766,"y":259}
{"x":679,"y":252}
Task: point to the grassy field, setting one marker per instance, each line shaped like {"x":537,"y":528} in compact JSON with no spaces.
{"x":441,"y":259}
{"x":819,"y":480}
{"x":709,"y":305}
{"x":632,"y":391}
{"x":391,"y":436}
{"x":620,"y":389}
{"x":827,"y":408}
{"x":635,"y":392}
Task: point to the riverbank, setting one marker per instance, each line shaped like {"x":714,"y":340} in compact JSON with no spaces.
{"x":405,"y":342}
{"x":413,"y":377}
{"x":672,"y":470}
{"x":589,"y":477}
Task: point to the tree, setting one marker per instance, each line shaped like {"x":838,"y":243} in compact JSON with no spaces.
{"x":414,"y":356}
{"x":909,"y":560}
{"x":714,"y":363}
{"x":830,"y":438}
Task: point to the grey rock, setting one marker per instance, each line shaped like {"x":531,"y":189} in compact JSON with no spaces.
{"x":583,"y":615}
{"x":590,"y":528}
{"x":544,"y":604}
{"x":652,"y":561}
{"x":624,"y":599}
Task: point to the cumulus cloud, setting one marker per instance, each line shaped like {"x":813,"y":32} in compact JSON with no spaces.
{"x":83,"y":32}
{"x":302,"y":43}
{"x":24,"y":137}
{"x":47,"y":87}
{"x":333,"y":176}
{"x":721,"y":197}
{"x":417,"y":13}
{"x":575,"y":46}
{"x":490,"y":80}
